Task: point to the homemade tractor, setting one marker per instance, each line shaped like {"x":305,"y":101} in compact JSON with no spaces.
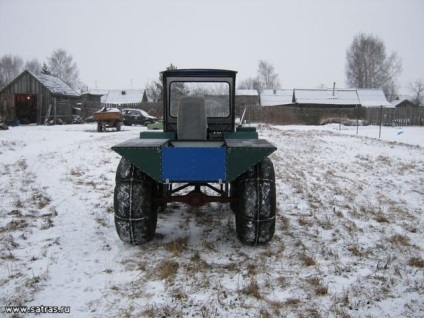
{"x":200,"y":148}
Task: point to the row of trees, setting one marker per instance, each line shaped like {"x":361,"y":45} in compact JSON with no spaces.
{"x":59,"y":64}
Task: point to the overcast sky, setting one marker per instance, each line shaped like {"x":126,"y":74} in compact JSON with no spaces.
{"x":125,"y":43}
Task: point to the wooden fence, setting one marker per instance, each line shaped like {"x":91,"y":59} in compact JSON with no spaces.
{"x":403,"y":116}
{"x":283,"y":115}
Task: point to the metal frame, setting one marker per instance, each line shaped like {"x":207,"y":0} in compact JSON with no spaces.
{"x":196,"y":198}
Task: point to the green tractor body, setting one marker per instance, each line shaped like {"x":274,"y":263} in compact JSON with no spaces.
{"x":200,"y":147}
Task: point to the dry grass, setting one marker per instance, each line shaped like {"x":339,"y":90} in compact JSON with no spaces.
{"x":252,"y":289}
{"x":292,"y":302}
{"x":168,"y":269}
{"x":355,"y":251}
{"x":40,"y":199}
{"x":307,"y":260}
{"x":320,"y":288}
{"x":48,"y":223}
{"x":416,"y":262}
{"x":400,"y":240}
{"x":177,"y":246}
{"x":381,"y":218}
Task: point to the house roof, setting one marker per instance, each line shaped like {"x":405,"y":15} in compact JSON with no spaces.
{"x":246,"y":92}
{"x":401,"y":98}
{"x":405,"y":101}
{"x":55,"y":85}
{"x":326,"y":96}
{"x":272,"y":97}
{"x":373,"y":98}
{"x":122,"y":96}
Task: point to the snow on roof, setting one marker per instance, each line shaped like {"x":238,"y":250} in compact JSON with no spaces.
{"x":98,"y":92}
{"x":272,"y":97}
{"x":326,"y":96}
{"x":247,"y":92}
{"x":401,"y":98}
{"x":373,"y":98}
{"x":55,"y":85}
{"x":123,"y":96}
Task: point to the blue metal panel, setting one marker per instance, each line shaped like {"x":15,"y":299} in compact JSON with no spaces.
{"x":193,"y":164}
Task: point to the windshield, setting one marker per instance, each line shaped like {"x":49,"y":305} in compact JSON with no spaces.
{"x":216,"y":95}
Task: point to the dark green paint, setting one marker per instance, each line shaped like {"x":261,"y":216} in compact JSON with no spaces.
{"x":245,"y":153}
{"x":146,"y":159}
{"x":245,"y":129}
{"x":241,"y":135}
{"x":157,"y":135}
{"x":241,"y":159}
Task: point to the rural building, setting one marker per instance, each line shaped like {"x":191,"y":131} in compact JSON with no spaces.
{"x":404,"y":101}
{"x":31,"y":98}
{"x":324,"y":98}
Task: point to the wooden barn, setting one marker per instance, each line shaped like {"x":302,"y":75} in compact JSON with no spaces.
{"x":31,"y":99}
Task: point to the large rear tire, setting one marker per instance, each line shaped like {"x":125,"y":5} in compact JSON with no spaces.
{"x":135,"y":214}
{"x":256,"y":205}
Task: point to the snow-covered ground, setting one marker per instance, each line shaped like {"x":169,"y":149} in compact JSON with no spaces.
{"x":349,"y":237}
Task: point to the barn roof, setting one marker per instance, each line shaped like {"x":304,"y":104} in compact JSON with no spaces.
{"x":52,"y":83}
{"x":326,"y":96}
{"x":373,"y":98}
{"x":55,"y":85}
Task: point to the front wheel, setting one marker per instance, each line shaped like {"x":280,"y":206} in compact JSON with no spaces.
{"x":135,"y":213}
{"x":256,"y":204}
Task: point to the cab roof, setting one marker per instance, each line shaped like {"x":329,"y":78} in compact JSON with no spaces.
{"x":199,"y":72}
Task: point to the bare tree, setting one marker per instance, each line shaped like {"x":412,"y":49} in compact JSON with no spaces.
{"x":250,"y":83}
{"x":154,"y":88}
{"x":417,"y":88}
{"x":267,"y":77}
{"x":10,"y":68}
{"x":61,"y":64}
{"x":153,"y":91}
{"x":33,"y":66}
{"x":368,"y":66}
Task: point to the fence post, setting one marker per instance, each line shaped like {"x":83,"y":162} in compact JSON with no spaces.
{"x":55,"y":111}
{"x":357,"y":119}
{"x":381,"y":121}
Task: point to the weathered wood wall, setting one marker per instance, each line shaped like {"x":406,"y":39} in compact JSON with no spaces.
{"x":27,"y":84}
